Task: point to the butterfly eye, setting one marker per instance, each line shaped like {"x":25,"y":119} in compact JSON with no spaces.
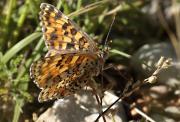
{"x":106,"y":52}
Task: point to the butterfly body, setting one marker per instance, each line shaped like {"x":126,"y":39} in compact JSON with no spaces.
{"x":72,"y":60}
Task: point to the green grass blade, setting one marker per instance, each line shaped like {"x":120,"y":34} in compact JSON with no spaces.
{"x":17,"y":109}
{"x":120,"y":53}
{"x":19,"y":46}
{"x":88,"y":8}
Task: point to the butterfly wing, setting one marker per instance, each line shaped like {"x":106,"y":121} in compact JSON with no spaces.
{"x":71,"y":60}
{"x":61,"y":34}
{"x":58,"y":75}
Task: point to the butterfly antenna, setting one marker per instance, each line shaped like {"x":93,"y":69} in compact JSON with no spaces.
{"x":110,"y":28}
{"x":105,"y":43}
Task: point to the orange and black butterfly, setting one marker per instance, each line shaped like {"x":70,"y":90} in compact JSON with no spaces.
{"x":73,"y":58}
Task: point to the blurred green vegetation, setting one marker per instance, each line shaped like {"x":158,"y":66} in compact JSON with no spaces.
{"x":21,"y":42}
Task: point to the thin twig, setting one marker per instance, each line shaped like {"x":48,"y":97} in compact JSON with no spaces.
{"x":140,"y":112}
{"x":144,"y":115}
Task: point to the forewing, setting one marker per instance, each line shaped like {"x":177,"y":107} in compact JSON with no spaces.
{"x":61,"y":33}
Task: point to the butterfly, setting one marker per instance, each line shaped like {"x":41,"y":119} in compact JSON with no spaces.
{"x":72,"y":60}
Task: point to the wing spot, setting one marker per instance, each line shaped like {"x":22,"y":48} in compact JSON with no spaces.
{"x":70,"y":45}
{"x":58,"y":16}
{"x":43,"y":6}
{"x":53,"y":36}
{"x":81,"y":42}
{"x":66,"y":33}
{"x":44,"y":18}
{"x":51,"y":8}
{"x":73,"y":31}
{"x":69,"y":59}
{"x":82,"y":39}
{"x":57,"y":78}
{"x":58,"y":63}
{"x":65,"y":25}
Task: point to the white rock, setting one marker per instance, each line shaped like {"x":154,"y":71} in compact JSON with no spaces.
{"x":82,"y":107}
{"x":147,"y":56}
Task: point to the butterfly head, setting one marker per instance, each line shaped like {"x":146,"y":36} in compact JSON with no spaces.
{"x":104,"y":52}
{"x":105,"y":44}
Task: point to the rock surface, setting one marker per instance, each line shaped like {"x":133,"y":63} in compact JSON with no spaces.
{"x":149,"y":54}
{"x":82,"y":107}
